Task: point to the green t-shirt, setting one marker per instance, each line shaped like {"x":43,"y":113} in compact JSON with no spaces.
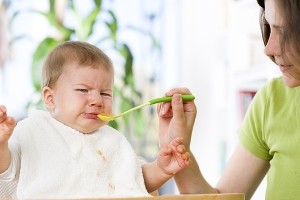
{"x":271,"y":131}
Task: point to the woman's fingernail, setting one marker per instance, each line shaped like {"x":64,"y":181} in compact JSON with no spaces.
{"x":177,"y":98}
{"x":161,"y":110}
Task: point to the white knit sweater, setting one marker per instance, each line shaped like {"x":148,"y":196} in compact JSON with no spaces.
{"x":51,"y":160}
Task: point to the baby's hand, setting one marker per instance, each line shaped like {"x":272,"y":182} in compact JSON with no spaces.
{"x":173,"y":157}
{"x":7,"y":125}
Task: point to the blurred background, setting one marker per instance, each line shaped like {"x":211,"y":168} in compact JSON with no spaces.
{"x":212,"y":47}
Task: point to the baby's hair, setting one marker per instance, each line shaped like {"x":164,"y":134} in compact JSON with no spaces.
{"x":68,"y":52}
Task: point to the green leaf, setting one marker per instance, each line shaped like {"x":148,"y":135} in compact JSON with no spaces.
{"x":139,"y":123}
{"x":87,"y":24}
{"x":39,"y":55}
{"x":51,"y":18}
{"x":128,"y":61}
{"x":126,"y":104}
{"x":13,"y":17}
{"x":113,"y":34}
{"x":128,"y":65}
{"x":113,"y":124}
{"x":98,"y":3}
{"x":112,"y":25}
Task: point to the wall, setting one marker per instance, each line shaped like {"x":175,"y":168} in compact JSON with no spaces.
{"x":203,"y":70}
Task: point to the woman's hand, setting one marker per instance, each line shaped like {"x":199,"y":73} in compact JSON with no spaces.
{"x":176,"y":118}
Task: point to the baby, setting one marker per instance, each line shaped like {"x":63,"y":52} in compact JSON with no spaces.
{"x":66,"y":151}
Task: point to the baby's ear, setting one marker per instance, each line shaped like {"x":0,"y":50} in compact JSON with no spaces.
{"x":48,"y":98}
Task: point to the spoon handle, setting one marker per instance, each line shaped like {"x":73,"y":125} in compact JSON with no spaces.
{"x":185,"y":97}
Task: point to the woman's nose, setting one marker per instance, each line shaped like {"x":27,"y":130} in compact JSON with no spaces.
{"x":272,"y":47}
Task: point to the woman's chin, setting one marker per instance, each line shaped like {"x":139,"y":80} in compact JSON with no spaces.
{"x":291,"y":81}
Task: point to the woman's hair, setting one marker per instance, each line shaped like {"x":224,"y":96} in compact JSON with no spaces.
{"x":68,"y":52}
{"x":289,"y":10}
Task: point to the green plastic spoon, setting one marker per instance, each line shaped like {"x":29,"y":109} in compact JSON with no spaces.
{"x":105,"y":117}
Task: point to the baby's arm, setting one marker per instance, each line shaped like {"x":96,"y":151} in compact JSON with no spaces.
{"x":7,"y":125}
{"x":171,"y":159}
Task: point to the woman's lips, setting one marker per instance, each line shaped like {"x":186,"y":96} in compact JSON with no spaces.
{"x":284,"y":68}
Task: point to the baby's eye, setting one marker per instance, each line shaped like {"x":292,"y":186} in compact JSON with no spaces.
{"x":82,"y":90}
{"x":105,"y":94}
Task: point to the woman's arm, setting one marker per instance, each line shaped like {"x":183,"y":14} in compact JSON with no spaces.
{"x":244,"y":171}
{"x":243,"y":174}
{"x":191,"y":181}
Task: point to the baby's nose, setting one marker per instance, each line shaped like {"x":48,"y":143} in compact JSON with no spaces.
{"x":96,"y":100}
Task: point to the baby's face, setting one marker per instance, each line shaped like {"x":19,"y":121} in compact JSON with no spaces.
{"x":81,"y":93}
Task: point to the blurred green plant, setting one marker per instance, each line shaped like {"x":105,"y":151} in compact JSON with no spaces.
{"x":126,"y":94}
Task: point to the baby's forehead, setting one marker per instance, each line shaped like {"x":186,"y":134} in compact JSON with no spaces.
{"x":76,"y":71}
{"x":75,"y":64}
{"x":93,"y":62}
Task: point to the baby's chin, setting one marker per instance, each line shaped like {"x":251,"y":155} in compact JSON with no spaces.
{"x":87,"y":130}
{"x":88,"y":126}
{"x":83,"y":129}
{"x":81,"y":125}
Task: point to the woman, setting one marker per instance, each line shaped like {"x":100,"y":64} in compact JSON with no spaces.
{"x":270,"y":133}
